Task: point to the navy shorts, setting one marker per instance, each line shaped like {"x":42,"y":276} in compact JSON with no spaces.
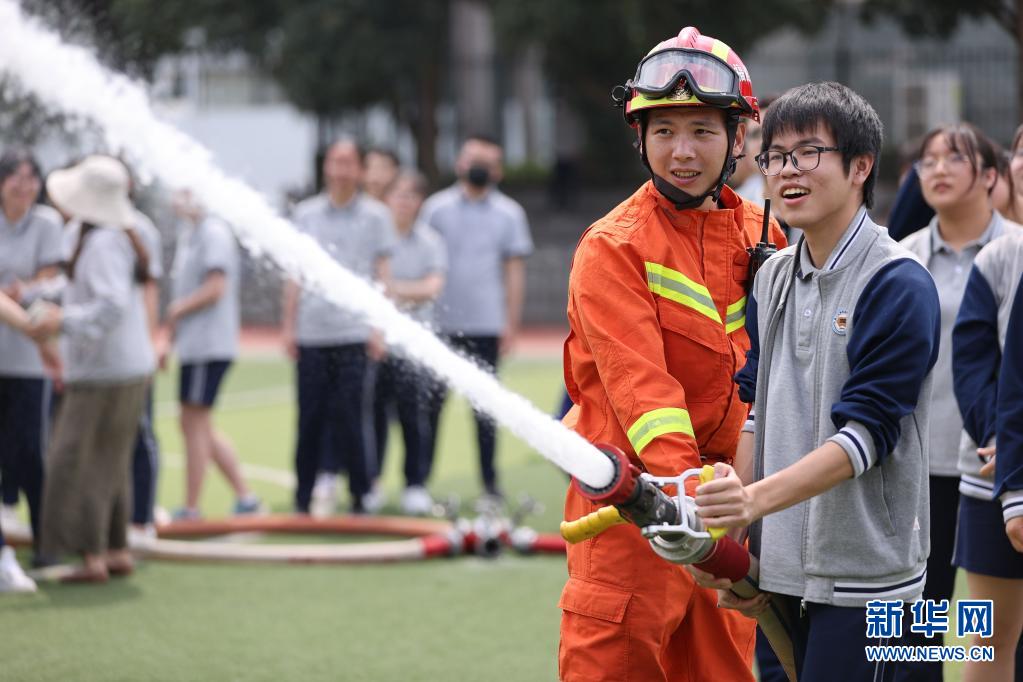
{"x":200,"y":382}
{"x":981,"y":544}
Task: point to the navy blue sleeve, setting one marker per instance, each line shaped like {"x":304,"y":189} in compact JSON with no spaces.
{"x":909,"y":211}
{"x":746,"y":378}
{"x":976,"y":357}
{"x":896,"y":329}
{"x":1009,"y":459}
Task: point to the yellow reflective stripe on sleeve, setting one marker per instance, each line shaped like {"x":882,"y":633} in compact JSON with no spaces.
{"x":657,"y":423}
{"x":673,"y":285}
{"x":735,"y":325}
{"x":735,"y":316}
{"x":720,"y":50}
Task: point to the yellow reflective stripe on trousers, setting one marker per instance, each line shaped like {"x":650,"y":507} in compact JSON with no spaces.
{"x":735,"y":316}
{"x":675,"y":286}
{"x":657,"y":423}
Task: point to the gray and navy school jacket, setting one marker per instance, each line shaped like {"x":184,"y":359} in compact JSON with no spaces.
{"x":950,"y":268}
{"x":978,"y":342}
{"x":851,"y":366}
{"x":1009,"y":419}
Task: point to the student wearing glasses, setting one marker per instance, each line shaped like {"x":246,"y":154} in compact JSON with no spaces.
{"x":843,"y":329}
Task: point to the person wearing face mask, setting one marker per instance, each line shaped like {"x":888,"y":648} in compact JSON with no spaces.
{"x":30,"y":255}
{"x":657,"y":317}
{"x":487,"y":238}
{"x":958,"y":167}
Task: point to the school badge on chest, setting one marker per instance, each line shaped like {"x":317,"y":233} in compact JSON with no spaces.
{"x":840,"y":322}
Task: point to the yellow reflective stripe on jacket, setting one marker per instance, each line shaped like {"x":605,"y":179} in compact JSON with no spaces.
{"x":657,"y":423}
{"x":673,"y":285}
{"x":735,"y":316}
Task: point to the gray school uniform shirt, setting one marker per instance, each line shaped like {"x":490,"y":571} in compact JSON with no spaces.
{"x":480,"y":234}
{"x":356,"y":235}
{"x":32,"y":243}
{"x":416,"y":255}
{"x":210,"y":333}
{"x":105,"y":335}
{"x":950,"y":271}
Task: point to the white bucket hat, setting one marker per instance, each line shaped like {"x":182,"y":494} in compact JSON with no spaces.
{"x":93,"y":191}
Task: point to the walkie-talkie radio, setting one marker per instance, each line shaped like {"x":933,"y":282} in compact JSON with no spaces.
{"x":764,"y":249}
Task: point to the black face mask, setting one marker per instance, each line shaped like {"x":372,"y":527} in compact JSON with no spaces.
{"x":478,"y":176}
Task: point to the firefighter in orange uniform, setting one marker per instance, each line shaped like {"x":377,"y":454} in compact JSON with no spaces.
{"x":657,"y":310}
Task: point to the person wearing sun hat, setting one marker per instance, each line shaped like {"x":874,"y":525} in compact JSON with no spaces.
{"x":108,"y":358}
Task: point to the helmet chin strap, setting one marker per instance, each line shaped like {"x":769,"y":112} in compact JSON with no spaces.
{"x":681,"y":199}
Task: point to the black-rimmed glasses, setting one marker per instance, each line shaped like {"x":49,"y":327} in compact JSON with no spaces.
{"x":804,"y":158}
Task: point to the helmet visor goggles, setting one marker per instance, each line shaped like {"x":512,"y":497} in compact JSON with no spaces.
{"x":709,"y":78}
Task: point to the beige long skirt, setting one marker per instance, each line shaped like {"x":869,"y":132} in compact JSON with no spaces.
{"x":87,"y":490}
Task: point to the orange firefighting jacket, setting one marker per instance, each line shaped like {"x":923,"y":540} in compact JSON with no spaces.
{"x":656,"y":308}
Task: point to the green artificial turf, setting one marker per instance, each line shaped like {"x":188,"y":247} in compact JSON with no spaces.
{"x":445,"y":619}
{"x":465,"y":618}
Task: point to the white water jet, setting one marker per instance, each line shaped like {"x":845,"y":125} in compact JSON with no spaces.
{"x":69,"y":79}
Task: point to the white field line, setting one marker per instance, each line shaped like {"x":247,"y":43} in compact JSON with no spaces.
{"x":236,"y":400}
{"x":253,"y":472}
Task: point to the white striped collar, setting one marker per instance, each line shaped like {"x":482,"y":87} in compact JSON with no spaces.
{"x":838,"y":254}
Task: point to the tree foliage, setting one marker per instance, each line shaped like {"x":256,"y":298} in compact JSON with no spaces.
{"x":941,"y":17}
{"x":335,"y":56}
{"x":593,"y":46}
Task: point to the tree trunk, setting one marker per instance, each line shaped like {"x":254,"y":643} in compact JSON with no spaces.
{"x":426,"y":121}
{"x":473,"y":46}
{"x":528,"y":91}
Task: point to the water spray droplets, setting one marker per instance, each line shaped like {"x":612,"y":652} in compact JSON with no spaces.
{"x":68,"y":79}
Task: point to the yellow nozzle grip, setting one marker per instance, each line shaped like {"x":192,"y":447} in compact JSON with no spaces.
{"x":707,"y":474}
{"x":591,"y":525}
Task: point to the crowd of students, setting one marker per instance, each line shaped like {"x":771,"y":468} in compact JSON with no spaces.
{"x":82,"y":337}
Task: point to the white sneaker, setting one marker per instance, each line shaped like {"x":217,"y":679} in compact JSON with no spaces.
{"x":12,"y":578}
{"x":12,"y":524}
{"x":374,"y":500}
{"x":416,"y":501}
{"x":324,"y":499}
{"x":141,"y":537}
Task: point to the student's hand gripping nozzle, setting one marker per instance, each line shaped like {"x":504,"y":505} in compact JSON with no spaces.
{"x":669,"y":522}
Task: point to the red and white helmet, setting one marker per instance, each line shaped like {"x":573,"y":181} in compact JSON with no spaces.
{"x":689,"y":70}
